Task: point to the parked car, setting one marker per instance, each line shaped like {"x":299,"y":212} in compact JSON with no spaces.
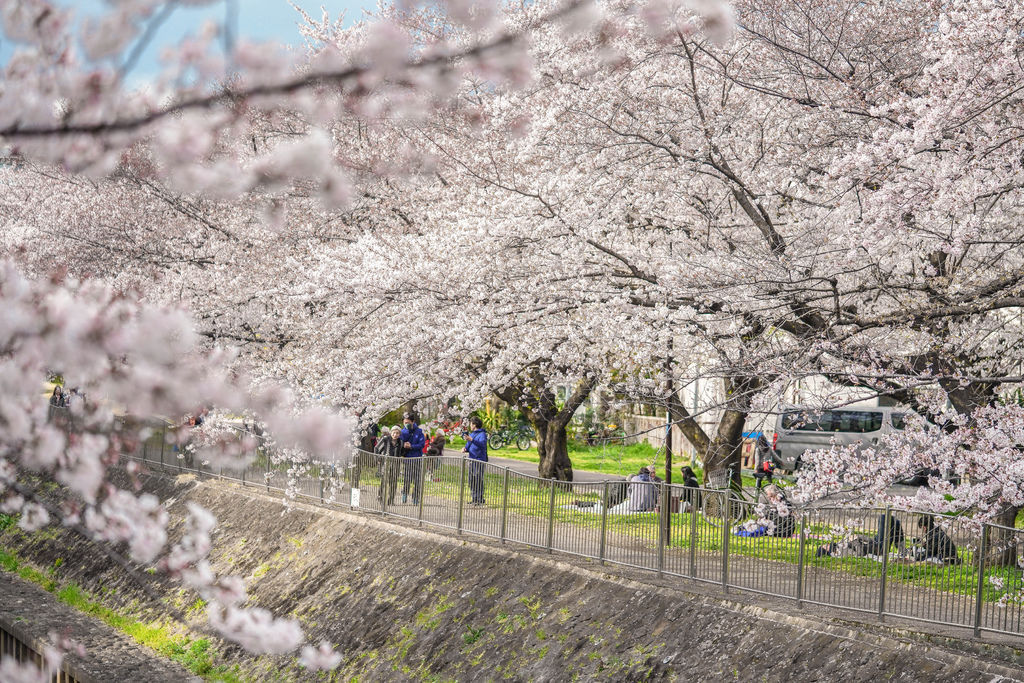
{"x":798,"y":430}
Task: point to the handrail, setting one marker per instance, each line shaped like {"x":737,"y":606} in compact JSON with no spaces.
{"x":826,"y":556}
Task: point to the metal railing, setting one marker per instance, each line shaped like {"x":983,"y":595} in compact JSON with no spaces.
{"x":851,"y":558}
{"x":24,"y":648}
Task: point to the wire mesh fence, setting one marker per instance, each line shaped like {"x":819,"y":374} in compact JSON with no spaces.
{"x":914,"y":565}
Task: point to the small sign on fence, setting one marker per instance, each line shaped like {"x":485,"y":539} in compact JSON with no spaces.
{"x":355,"y":498}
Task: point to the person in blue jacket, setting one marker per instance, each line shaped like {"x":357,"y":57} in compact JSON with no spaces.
{"x":412,"y":441}
{"x":476,"y":449}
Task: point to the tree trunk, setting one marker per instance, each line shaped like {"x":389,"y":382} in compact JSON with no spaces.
{"x":540,"y":407}
{"x":553,"y":447}
{"x":726,"y":449}
{"x":1001,"y":550}
{"x":690,"y":428}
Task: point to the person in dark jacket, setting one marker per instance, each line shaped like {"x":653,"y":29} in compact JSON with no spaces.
{"x":476,"y":451}
{"x":936,"y":545}
{"x":413,"y":441}
{"x":780,"y":512}
{"x":764,"y":469}
{"x":56,"y":401}
{"x":691,"y":494}
{"x":389,"y":447}
{"x":874,"y":546}
{"x":877,"y":546}
{"x":437,"y":444}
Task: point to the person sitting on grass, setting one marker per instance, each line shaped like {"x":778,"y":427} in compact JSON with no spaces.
{"x":691,"y":494}
{"x":875,"y":546}
{"x":936,"y":544}
{"x":643,"y":494}
{"x":779,"y":513}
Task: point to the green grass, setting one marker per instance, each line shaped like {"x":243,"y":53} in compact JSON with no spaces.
{"x":197,"y":655}
{"x":612,"y":459}
{"x":608,"y":459}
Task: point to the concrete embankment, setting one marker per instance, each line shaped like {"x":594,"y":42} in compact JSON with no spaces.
{"x":33,"y":617}
{"x":405,"y":604}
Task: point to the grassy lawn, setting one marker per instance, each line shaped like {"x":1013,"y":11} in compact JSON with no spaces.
{"x":609,"y":459}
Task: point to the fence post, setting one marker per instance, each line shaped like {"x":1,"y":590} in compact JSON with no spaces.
{"x":978,"y":604}
{"x":604,"y":521}
{"x":321,"y":478}
{"x":694,"y":535}
{"x":421,"y":489}
{"x":266,"y":477}
{"x":662,"y":526}
{"x":885,"y":562}
{"x":551,"y":516}
{"x":462,"y":493}
{"x":800,"y":560}
{"x":726,"y":529}
{"x":504,"y":505}
{"x":163,"y":440}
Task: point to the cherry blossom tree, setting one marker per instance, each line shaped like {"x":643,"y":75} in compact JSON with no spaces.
{"x":705,"y":193}
{"x":747,"y":194}
{"x":126,"y":354}
{"x":158,"y":180}
{"x":831,"y":191}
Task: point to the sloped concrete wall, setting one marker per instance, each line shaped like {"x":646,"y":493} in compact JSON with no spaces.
{"x":404,"y":604}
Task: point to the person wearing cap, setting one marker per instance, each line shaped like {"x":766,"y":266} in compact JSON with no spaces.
{"x":412,"y":441}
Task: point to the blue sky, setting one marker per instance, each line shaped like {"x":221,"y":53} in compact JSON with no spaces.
{"x":256,"y":19}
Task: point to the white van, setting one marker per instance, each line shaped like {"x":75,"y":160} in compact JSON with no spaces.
{"x":798,"y":430}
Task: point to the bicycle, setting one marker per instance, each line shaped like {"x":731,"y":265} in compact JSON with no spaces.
{"x":722,"y":503}
{"x":520,"y":435}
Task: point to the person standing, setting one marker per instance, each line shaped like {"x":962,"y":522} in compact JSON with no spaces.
{"x":389,"y":447}
{"x":433,"y":452}
{"x":413,"y":441}
{"x":691,"y":492}
{"x":476,"y":450}
{"x":56,"y":401}
{"x":764,"y":462}
{"x":367,"y":445}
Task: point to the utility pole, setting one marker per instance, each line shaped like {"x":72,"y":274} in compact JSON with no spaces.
{"x":669,"y":391}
